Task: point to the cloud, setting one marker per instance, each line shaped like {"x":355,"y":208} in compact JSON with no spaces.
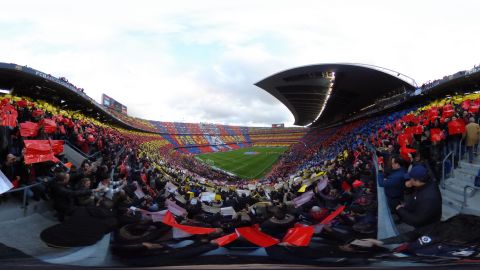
{"x":197,"y":61}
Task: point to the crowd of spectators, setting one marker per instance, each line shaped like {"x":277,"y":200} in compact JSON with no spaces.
{"x":327,"y":179}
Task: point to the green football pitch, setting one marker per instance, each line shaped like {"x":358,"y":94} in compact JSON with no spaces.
{"x":247,"y":163}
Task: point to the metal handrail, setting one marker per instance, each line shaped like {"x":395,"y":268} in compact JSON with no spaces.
{"x":464,"y":204}
{"x":22,"y":188}
{"x":442,"y":181}
{"x":24,"y":197}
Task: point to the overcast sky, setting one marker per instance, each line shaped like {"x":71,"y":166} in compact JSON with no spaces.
{"x":195,"y":61}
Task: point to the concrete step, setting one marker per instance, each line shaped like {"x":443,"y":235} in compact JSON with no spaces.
{"x":24,"y":234}
{"x":449,"y":211}
{"x":466,"y":170}
{"x":473,"y":202}
{"x":451,"y":198}
{"x":457,"y":186}
{"x":456,"y":201}
{"x":470,"y":166}
{"x":462,"y":180}
{"x":466,"y":177}
{"x":12,"y":208}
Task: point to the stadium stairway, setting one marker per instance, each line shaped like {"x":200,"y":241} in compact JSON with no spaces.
{"x":15,"y":223}
{"x":453,"y":191}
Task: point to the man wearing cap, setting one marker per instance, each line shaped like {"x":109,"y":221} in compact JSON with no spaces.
{"x":424,"y":206}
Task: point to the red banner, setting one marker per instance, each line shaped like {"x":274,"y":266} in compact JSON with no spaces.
{"x":8,"y":116}
{"x":473,"y":109}
{"x":4,"y":101}
{"x":456,"y":127}
{"x":62,"y":130}
{"x":333,"y":215}
{"x":416,"y":130}
{"x":432,"y":113}
{"x":49,"y":125}
{"x":255,"y":236}
{"x":299,"y":236}
{"x":227,"y":239}
{"x":466,"y":105}
{"x":346,"y":187}
{"x":380,"y":160}
{"x":90,"y":138}
{"x":170,"y":220}
{"x":436,"y":135}
{"x":57,"y":146}
{"x":404,"y":151}
{"x":38,"y":151}
{"x":410,"y":118}
{"x":22,"y":103}
{"x":37,"y":113}
{"x":29,"y":129}
{"x":357,"y":183}
{"x":448,"y":113}
{"x":405,"y":139}
{"x":448,"y":107}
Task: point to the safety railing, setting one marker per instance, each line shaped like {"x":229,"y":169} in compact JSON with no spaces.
{"x":25,"y":190}
{"x":465,"y":196}
{"x":442,"y":181}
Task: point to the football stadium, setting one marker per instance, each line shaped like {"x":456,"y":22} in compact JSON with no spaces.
{"x":374,"y":171}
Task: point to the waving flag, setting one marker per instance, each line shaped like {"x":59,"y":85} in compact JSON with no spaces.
{"x":333,"y":215}
{"x":456,"y":127}
{"x":299,"y":236}
{"x":29,"y":129}
{"x":8,"y":116}
{"x":38,"y":151}
{"x":255,"y":236}
{"x":170,"y":220}
{"x":49,"y":125}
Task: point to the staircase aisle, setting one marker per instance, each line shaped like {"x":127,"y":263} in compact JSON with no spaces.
{"x":453,"y":194}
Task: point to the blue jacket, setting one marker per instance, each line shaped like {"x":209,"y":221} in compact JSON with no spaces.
{"x":394,"y":183}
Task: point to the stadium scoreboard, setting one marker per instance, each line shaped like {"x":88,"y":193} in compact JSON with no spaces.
{"x":113,"y":104}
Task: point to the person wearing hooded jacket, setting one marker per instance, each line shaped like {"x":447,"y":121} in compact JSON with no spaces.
{"x":424,"y":206}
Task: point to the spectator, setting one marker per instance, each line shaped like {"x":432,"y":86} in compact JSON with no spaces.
{"x":64,"y":197}
{"x":107,"y":188}
{"x":14,"y":170}
{"x":471,"y":139}
{"x":424,"y":206}
{"x":394,"y":183}
{"x":88,"y":199}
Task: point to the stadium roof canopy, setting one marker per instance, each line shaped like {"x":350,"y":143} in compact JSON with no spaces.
{"x":325,"y":93}
{"x":26,"y":81}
